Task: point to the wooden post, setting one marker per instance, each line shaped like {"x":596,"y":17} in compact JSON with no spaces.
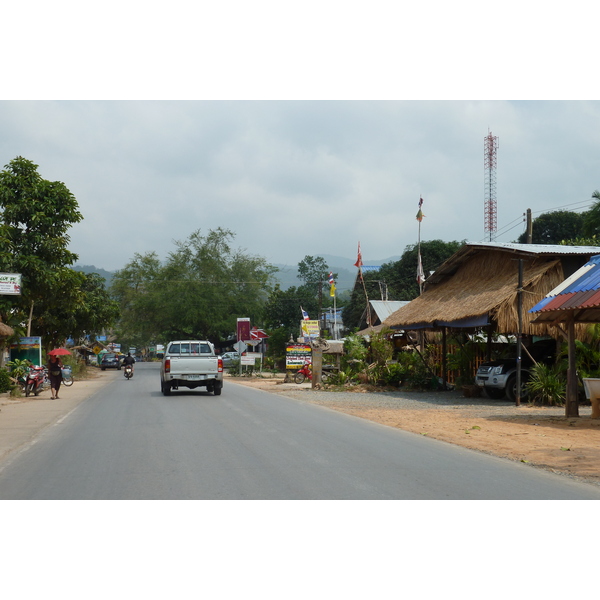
{"x":317,"y":366}
{"x":571,"y":404}
{"x":520,"y":332}
{"x":444,"y":359}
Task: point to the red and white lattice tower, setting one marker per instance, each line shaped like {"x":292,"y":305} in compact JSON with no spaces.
{"x":489,"y":163}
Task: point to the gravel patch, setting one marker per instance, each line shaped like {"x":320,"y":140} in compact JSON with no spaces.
{"x":477,"y":407}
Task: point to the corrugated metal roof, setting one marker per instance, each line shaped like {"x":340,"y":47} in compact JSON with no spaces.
{"x":384,"y":308}
{"x":538,"y":248}
{"x":580,"y":290}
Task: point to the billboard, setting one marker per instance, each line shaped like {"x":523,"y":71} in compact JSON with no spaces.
{"x":296,"y":355}
{"x":27,"y":348}
{"x":243,"y":329}
{"x":310,"y":329}
{"x":10,"y":284}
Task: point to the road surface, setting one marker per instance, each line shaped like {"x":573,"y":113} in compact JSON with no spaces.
{"x":128,"y":441}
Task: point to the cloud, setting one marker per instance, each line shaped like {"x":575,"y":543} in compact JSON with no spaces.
{"x":296,"y":178}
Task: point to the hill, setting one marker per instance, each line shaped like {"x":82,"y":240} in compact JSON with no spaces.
{"x":344,"y":267}
{"x":108,"y":275}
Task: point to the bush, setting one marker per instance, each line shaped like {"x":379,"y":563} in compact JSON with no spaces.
{"x":546,"y":385}
{"x":5,"y":382}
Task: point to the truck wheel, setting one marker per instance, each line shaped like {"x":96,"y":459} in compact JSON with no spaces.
{"x":217,"y":389}
{"x":494,"y":393}
{"x":511,"y":388}
{"x":165,"y":389}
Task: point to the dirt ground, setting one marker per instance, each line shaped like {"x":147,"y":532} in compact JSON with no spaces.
{"x":540,"y":436}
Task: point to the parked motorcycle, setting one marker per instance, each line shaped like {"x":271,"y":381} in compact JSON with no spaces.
{"x":128,"y":371}
{"x":306,"y":373}
{"x":35,"y":381}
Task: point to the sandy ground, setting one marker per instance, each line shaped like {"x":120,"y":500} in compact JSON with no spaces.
{"x":539,"y":436}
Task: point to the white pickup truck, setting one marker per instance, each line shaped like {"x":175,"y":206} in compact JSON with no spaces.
{"x":191,"y":364}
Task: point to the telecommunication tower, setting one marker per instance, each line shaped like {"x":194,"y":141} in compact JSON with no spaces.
{"x":489,"y":163}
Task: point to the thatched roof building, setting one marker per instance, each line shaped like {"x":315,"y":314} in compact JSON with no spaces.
{"x":477,"y":287}
{"x":5,"y":330}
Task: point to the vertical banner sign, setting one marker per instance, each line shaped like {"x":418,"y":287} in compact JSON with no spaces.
{"x":243,"y":330}
{"x":10,"y":284}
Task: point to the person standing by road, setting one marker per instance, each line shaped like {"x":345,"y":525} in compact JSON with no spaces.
{"x":55,"y":367}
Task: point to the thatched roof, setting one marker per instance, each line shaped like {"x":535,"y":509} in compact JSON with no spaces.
{"x":5,"y":330}
{"x":480,"y":285}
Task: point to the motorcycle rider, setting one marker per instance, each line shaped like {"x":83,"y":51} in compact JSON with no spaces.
{"x":129,"y":360}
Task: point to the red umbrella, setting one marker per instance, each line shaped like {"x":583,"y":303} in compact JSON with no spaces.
{"x":58,"y":351}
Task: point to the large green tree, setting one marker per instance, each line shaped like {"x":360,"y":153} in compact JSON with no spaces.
{"x":200,"y":290}
{"x":554,"y":227}
{"x":35,"y":217}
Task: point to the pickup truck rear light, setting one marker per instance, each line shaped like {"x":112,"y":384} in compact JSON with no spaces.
{"x":168,"y":365}
{"x":220,"y":365}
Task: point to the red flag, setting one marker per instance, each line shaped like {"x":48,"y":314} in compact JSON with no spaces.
{"x":359,"y":261}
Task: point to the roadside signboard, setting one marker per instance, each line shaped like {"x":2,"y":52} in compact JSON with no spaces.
{"x":27,"y":348}
{"x":310,"y":329}
{"x":240,"y":347}
{"x":10,"y":284}
{"x":296,"y":355}
{"x":243,"y":329}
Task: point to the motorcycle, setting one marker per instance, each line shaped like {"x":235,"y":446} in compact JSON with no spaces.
{"x":35,"y":381}
{"x":67,"y":376}
{"x":128,"y":371}
{"x":306,"y":373}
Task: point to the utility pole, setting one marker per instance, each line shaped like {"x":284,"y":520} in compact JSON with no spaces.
{"x":529,"y":227}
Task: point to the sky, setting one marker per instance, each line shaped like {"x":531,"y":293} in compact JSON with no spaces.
{"x":297,"y":178}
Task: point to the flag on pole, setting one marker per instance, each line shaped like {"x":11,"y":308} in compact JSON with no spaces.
{"x":420,"y":272}
{"x":305,"y":314}
{"x":420,"y":214}
{"x":359,"y":262}
{"x":332,"y":290}
{"x":331,"y":279}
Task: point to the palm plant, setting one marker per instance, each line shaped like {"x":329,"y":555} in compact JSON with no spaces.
{"x":547,"y":385}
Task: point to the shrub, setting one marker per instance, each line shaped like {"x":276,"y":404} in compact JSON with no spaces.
{"x":546,"y":385}
{"x":5,"y":383}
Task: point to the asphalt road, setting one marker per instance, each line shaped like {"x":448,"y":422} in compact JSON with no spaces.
{"x":128,"y":441}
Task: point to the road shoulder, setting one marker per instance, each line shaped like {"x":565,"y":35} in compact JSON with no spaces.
{"x":23,"y":419}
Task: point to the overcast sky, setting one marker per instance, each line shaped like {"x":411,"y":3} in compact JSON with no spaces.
{"x":331,"y":130}
{"x":292,"y":178}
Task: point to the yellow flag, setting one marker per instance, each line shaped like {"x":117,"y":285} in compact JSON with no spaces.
{"x":332,"y":290}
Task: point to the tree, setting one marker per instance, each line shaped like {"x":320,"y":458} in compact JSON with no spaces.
{"x":35,"y":217}
{"x":199,"y":292}
{"x":554,"y":227}
{"x":283,"y":307}
{"x":591,"y":219}
{"x":400,"y":277}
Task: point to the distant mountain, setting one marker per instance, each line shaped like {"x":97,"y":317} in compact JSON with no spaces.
{"x":344,"y":267}
{"x":108,"y":275}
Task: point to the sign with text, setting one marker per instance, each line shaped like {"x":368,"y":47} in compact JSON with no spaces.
{"x":27,"y":348}
{"x":310,"y":329}
{"x":296,"y":355}
{"x":10,"y":284}
{"x":243,"y":329}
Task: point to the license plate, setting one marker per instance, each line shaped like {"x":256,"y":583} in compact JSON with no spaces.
{"x":195,"y":377}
